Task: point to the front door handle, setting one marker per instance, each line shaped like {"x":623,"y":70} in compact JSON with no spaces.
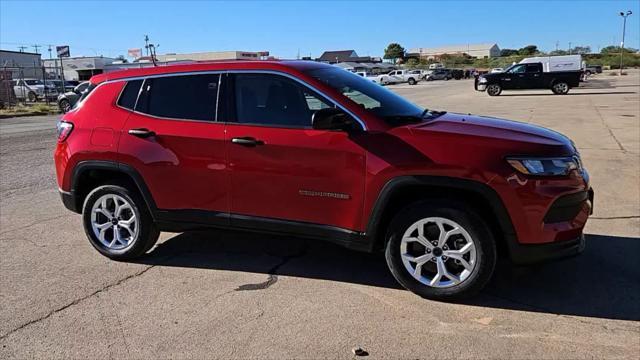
{"x":142,"y":133}
{"x":247,"y":141}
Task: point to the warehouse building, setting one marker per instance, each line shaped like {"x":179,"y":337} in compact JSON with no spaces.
{"x":18,"y":64}
{"x":77,"y":68}
{"x":488,"y":50}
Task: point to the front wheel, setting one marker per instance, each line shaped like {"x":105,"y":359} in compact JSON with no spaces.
{"x":440,"y":250}
{"x":65,"y":105}
{"x":560,"y":88}
{"x":412,"y":81}
{"x":118,"y":223}
{"x":494,"y":90}
{"x":32,"y":96}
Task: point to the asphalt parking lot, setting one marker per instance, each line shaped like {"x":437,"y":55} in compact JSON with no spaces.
{"x":237,"y":295}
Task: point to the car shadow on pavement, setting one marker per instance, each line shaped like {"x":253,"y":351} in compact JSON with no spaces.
{"x":603,"y":282}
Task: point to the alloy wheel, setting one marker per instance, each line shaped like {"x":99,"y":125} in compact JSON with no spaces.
{"x":438,"y":252}
{"x":114,"y":222}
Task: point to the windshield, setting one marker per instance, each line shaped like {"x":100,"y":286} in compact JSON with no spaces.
{"x":366,"y":93}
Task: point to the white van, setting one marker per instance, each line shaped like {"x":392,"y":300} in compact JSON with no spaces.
{"x":558,"y":63}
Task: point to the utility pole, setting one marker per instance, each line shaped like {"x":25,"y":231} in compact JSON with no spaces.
{"x":557,"y":44}
{"x":570,"y":48}
{"x":36,"y":47}
{"x":146,"y":43}
{"x":22,"y":48}
{"x":624,"y":28}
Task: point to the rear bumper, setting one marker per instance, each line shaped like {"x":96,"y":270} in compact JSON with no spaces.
{"x":69,"y":201}
{"x":531,"y":254}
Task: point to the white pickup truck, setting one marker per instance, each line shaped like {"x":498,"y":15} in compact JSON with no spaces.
{"x":34,"y":89}
{"x":399,"y":76}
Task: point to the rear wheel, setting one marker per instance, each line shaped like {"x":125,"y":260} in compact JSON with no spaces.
{"x":440,"y":250}
{"x":494,"y":90}
{"x":118,"y":223}
{"x":560,"y":88}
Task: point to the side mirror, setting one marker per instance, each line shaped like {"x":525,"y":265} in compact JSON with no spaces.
{"x":331,"y":119}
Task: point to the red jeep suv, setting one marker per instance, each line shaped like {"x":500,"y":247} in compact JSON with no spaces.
{"x":310,"y":150}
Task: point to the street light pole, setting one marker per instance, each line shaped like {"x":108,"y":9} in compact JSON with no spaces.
{"x":624,"y":28}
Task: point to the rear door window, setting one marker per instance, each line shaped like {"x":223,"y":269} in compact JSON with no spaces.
{"x":188,"y":97}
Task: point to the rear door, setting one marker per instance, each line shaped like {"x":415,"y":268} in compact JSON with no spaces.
{"x":174,"y":141}
{"x":283,"y":169}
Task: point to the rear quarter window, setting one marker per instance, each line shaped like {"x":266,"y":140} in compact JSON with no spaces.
{"x":129,"y":94}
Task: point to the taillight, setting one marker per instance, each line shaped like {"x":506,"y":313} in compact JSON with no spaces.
{"x":64,"y":129}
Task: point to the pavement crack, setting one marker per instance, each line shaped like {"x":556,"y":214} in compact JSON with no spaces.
{"x":614,"y":217}
{"x":607,"y":126}
{"x":76,"y":302}
{"x":273,"y":274}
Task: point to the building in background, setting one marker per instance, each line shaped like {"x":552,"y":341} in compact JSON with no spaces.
{"x":77,"y":68}
{"x":21,"y":64}
{"x":214,"y":55}
{"x":334,"y":57}
{"x":488,"y":50}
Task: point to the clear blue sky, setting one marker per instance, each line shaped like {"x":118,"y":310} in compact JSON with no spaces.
{"x":283,"y":28}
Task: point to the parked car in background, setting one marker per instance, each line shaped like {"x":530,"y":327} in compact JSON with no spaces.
{"x":436,"y":66}
{"x":33,"y":90}
{"x":397,"y":77}
{"x":457,"y":73}
{"x":68,"y":100}
{"x":528,"y":76}
{"x":444,"y":196}
{"x":593,"y":69}
{"x":439,"y":74}
{"x":496,"y":70}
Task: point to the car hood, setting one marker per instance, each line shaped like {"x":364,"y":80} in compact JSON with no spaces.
{"x":520,"y":137}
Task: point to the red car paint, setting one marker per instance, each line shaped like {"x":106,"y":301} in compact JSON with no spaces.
{"x":193,"y":165}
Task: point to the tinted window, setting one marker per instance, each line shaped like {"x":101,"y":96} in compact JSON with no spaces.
{"x":129,"y":94}
{"x":191,"y":97}
{"x":518,"y":69}
{"x":532,"y":68}
{"x":275,"y":100}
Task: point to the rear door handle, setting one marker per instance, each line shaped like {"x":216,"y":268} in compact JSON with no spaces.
{"x":142,"y":133}
{"x":247,"y":141}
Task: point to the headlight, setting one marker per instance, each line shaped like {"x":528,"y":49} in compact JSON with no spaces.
{"x":545,"y":166}
{"x":482,"y":80}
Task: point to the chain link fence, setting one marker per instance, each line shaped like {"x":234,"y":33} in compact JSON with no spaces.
{"x":20,"y":84}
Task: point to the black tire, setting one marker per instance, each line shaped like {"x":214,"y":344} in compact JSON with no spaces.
{"x":494,"y":89}
{"x":147,"y":232}
{"x":32,"y":96}
{"x":560,"y":88}
{"x":64,"y":105}
{"x":468,"y":219}
{"x":411,"y":81}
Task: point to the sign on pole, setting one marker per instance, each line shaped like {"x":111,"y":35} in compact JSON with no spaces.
{"x":63,"y":51}
{"x":134,"y":53}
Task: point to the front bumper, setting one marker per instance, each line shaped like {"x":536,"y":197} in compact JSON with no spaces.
{"x":531,"y":254}
{"x":478,"y":86}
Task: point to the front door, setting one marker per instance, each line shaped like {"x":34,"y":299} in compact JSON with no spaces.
{"x":175,"y":143}
{"x":280,"y":167}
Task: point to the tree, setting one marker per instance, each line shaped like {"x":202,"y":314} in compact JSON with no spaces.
{"x":528,"y":50}
{"x":412,"y":62}
{"x":558,"y":52}
{"x":580,"y":50}
{"x":394,"y":52}
{"x":616,"y":50}
{"x":508,"y":52}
